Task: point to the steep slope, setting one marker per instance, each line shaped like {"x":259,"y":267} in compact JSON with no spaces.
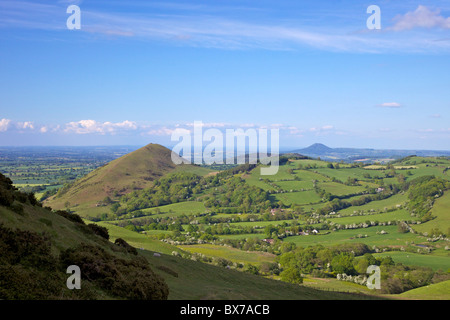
{"x":38,"y":245}
{"x":133,"y":171}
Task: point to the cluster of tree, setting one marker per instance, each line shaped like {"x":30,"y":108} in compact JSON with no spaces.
{"x":217,"y":193}
{"x":234,"y":192}
{"x":48,"y":193}
{"x":173,"y":188}
{"x":321,"y":260}
{"x":422,"y":193}
{"x":397,"y":278}
{"x":243,"y":168}
{"x":11,"y":197}
{"x":354,"y":259}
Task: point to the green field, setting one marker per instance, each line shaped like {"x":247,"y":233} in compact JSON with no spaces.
{"x":235,"y":255}
{"x":295,"y":185}
{"x":188,"y":208}
{"x":311,"y":162}
{"x":415,"y":259}
{"x":340,"y":189}
{"x":391,"y":202}
{"x":392,"y":238}
{"x":258,"y":236}
{"x":303,"y":197}
{"x":308,"y":175}
{"x":262,"y":223}
{"x":255,"y":179}
{"x":343,"y":174}
{"x":397,"y":215}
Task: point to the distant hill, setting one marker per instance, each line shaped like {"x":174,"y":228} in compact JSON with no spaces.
{"x":316,"y":148}
{"x":353,"y":154}
{"x":133,"y":171}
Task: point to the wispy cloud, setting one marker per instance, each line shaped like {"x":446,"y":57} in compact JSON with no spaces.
{"x":208,"y":28}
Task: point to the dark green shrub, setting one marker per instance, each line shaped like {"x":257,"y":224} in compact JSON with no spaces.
{"x":17,"y":208}
{"x":70,"y":216}
{"x":129,"y":279}
{"x":123,"y":244}
{"x":168,"y":270}
{"x":99,"y":230}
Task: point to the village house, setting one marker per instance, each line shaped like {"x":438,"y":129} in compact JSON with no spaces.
{"x":269,"y":241}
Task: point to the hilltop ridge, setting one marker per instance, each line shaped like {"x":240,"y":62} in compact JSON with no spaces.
{"x":133,"y":171}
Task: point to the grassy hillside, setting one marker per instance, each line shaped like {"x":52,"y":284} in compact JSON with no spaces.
{"x":438,"y":291}
{"x":134,"y":171}
{"x":201,"y":281}
{"x":38,"y":245}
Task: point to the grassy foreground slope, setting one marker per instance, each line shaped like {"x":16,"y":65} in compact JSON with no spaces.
{"x":194,"y":280}
{"x":438,"y":291}
{"x":201,"y":281}
{"x":37,"y":246}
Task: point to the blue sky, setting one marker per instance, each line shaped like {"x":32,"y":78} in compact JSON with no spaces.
{"x":136,"y":70}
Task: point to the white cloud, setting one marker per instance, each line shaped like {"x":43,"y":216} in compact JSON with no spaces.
{"x":390,"y":105}
{"x":4,"y":124}
{"x":92,"y":126}
{"x":25,"y":125}
{"x":208,"y":124}
{"x":422,"y":17}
